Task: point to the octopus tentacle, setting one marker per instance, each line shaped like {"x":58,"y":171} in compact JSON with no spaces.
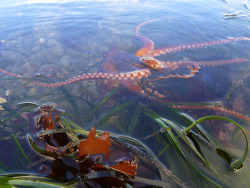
{"x":148,"y":43}
{"x":159,"y":65}
{"x":221,"y":62}
{"x":139,"y":87}
{"x":172,"y":65}
{"x":137,"y":29}
{"x":147,"y":48}
{"x":160,"y":51}
{"x":10,"y":73}
{"x":134,"y":75}
{"x":193,"y":71}
{"x":92,"y":76}
{"x":210,"y":107}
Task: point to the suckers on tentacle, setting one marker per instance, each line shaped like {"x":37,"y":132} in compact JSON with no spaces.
{"x":10,"y":73}
{"x":161,"y":51}
{"x":90,"y":76}
{"x":215,"y":108}
{"x":172,"y":65}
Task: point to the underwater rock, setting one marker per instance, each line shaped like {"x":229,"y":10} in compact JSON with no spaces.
{"x":9,"y":130}
{"x":65,"y":61}
{"x":11,"y":55}
{"x":27,"y":69}
{"x":55,"y":48}
{"x":32,"y":91}
{"x":35,"y":49}
{"x":41,"y":40}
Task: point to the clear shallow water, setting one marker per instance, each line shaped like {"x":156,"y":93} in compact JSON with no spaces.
{"x":62,"y":39}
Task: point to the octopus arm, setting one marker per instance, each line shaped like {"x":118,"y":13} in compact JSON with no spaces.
{"x":160,"y":51}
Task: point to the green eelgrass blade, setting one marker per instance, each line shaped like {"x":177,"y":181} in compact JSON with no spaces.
{"x":178,"y":149}
{"x":43,"y":151}
{"x":27,"y":105}
{"x":12,"y":113}
{"x":236,"y":83}
{"x":104,"y":122}
{"x":87,"y":91}
{"x":109,"y":114}
{"x":189,"y":120}
{"x":146,"y":181}
{"x":27,"y":180}
{"x":69,"y":123}
{"x":90,"y":104}
{"x":175,"y":144}
{"x":163,"y":121}
{"x":104,"y":100}
{"x":3,"y":165}
{"x":20,"y":147}
{"x":187,"y":138}
{"x":164,"y":149}
{"x":121,"y":123}
{"x":134,"y":142}
{"x":120,"y":127}
{"x":70,"y":98}
{"x":199,"y":30}
{"x":236,"y":135}
{"x":133,"y":120}
{"x":236,"y":163}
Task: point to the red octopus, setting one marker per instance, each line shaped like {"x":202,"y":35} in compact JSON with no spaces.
{"x":137,"y":80}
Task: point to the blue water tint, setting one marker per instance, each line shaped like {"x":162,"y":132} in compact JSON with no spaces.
{"x":60,"y":39}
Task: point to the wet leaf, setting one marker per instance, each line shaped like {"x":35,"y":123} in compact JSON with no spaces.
{"x":94,"y":145}
{"x":126,"y":167}
{"x":50,"y":148}
{"x":48,"y":122}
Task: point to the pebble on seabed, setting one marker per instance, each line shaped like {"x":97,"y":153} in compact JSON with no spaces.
{"x":41,"y":40}
{"x":55,"y":48}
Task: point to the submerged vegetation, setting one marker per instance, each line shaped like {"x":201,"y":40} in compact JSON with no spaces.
{"x":181,"y":144}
